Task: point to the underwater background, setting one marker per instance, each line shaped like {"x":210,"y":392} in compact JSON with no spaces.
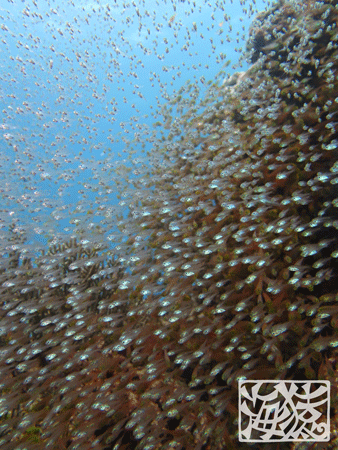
{"x":168,"y":217}
{"x":82,"y":84}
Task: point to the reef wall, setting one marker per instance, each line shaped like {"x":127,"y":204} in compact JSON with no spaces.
{"x":231,"y":268}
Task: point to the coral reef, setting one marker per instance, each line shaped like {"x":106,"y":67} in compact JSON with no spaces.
{"x":229,"y":272}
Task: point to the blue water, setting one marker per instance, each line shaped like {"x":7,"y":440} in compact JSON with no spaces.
{"x":82,"y":84}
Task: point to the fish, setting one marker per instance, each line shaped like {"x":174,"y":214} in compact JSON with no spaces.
{"x":161,"y":241}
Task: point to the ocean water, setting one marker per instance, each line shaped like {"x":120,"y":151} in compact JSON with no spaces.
{"x":82,"y":84}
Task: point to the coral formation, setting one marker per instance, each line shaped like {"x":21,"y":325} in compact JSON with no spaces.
{"x":230,"y":270}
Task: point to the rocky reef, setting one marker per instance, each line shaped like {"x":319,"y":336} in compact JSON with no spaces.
{"x":230,"y":270}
